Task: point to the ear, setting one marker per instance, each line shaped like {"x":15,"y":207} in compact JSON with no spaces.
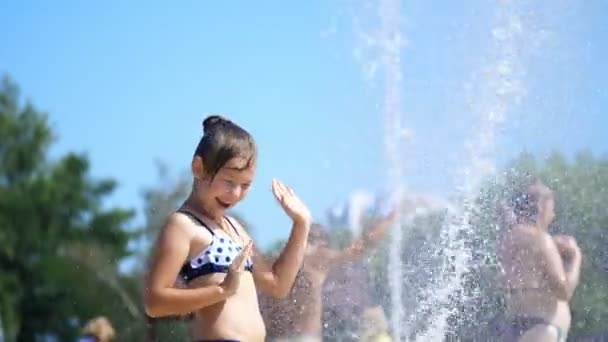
{"x":198,"y":168}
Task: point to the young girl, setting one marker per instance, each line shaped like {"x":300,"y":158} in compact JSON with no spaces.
{"x":212,"y":253}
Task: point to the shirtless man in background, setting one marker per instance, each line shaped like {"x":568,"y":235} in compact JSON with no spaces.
{"x":299,"y":317}
{"x":540,"y":272}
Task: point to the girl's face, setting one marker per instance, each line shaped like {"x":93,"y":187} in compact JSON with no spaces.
{"x":224,"y":190}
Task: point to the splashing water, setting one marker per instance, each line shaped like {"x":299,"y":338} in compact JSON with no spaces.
{"x":387,"y":44}
{"x":501,"y":85}
{"x":391,"y":42}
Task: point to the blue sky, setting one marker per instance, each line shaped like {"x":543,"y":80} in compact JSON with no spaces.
{"x":129,"y":83}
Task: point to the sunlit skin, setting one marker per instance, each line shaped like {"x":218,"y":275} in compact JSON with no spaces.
{"x":225,"y":306}
{"x":304,"y":304}
{"x":540,"y":272}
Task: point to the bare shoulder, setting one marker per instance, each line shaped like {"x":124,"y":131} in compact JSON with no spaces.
{"x":174,"y":238}
{"x":178,"y":224}
{"x":529,"y":238}
{"x":525,"y":235}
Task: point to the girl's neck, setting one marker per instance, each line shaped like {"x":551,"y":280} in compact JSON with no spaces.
{"x":194,"y":204}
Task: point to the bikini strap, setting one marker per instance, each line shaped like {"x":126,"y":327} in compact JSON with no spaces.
{"x":232,"y":225}
{"x":195,"y":218}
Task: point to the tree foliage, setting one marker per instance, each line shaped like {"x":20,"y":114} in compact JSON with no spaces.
{"x":51,"y":222}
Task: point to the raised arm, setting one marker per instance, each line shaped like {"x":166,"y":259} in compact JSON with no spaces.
{"x":571,"y":256}
{"x":160,"y":296}
{"x":562,"y":281}
{"x":278,"y":279}
{"x":369,"y":240}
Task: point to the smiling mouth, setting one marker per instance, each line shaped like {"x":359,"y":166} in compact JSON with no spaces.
{"x":223,"y":204}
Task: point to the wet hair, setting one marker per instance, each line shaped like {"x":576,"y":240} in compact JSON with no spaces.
{"x":222,"y":141}
{"x":525,"y":202}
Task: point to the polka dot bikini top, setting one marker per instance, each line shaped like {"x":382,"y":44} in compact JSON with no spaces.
{"x":216,"y":258}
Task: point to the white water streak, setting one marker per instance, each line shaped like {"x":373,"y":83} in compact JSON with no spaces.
{"x":391,"y":44}
{"x":500,"y":86}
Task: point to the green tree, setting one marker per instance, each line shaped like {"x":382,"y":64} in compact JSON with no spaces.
{"x":51,"y":213}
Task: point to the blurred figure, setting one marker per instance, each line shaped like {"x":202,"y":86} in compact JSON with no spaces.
{"x":375,"y":326}
{"x":539,"y":272}
{"x":299,"y":317}
{"x":98,"y":329}
{"x":347,"y":293}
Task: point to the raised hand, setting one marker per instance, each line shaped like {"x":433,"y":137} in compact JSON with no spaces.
{"x":381,"y":226}
{"x":294,"y":208}
{"x":232,"y":280}
{"x":566,"y":246}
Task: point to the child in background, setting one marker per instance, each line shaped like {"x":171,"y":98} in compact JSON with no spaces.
{"x":375,"y":326}
{"x":98,"y":329}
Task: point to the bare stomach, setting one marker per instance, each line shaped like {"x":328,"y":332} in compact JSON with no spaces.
{"x":237,"y":318}
{"x":537,"y":303}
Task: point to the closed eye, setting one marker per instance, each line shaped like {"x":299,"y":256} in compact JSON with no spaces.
{"x":233,"y":184}
{"x":229,"y":182}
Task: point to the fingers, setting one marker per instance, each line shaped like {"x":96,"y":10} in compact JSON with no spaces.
{"x":238,"y":264}
{"x":281,"y":191}
{"x":559,"y":239}
{"x":278,"y":184}
{"x":287,"y":199}
{"x":573,"y":244}
{"x":248,"y":247}
{"x":245,"y":254}
{"x":277,"y":190}
{"x":285,"y":189}
{"x":566,"y":240}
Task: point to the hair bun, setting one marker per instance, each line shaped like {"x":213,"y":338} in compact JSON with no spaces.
{"x":212,"y":122}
